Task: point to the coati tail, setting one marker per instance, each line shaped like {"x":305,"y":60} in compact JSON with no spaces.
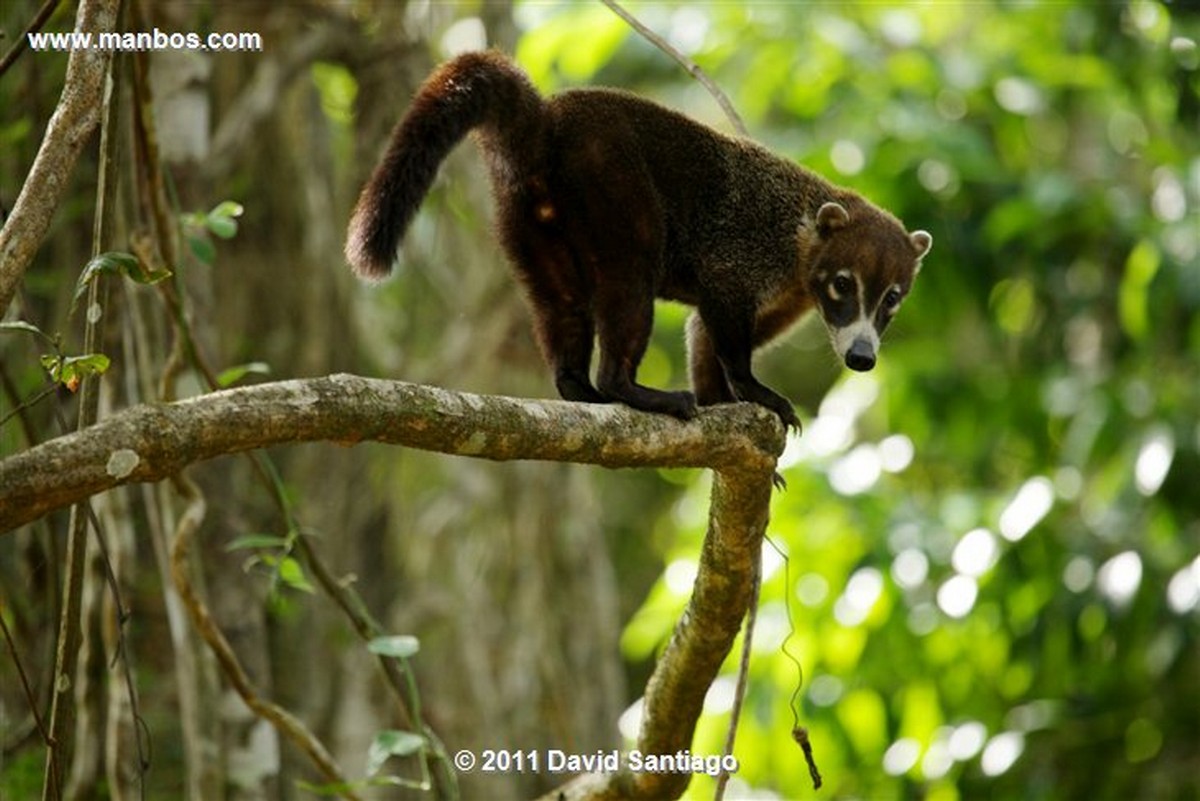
{"x":475,"y":90}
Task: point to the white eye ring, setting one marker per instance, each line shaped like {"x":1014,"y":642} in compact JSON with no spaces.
{"x":842,"y":284}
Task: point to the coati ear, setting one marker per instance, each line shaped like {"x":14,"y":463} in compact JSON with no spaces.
{"x":830,"y":217}
{"x":921,"y":241}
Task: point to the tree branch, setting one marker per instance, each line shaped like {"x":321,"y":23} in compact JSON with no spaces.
{"x":68,"y":131}
{"x":740,"y":442}
{"x":702,"y":639}
{"x":154,"y":441}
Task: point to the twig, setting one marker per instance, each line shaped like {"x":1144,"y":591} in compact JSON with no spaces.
{"x":799,"y":733}
{"x":284,"y":722}
{"x":19,"y":46}
{"x":70,"y":635}
{"x":692,"y":67}
{"x":33,"y":704}
{"x":444,"y":777}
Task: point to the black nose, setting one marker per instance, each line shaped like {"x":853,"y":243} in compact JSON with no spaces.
{"x":861,"y":356}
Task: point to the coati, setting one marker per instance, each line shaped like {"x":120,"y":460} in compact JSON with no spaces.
{"x":606,"y":201}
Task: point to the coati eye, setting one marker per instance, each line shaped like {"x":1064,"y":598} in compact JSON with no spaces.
{"x":843,"y":284}
{"x":892,"y":299}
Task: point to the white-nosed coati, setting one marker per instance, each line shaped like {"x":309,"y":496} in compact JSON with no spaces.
{"x":606,"y":201}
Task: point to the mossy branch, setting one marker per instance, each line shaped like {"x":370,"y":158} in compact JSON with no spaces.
{"x":739,"y":442}
{"x":151,"y":442}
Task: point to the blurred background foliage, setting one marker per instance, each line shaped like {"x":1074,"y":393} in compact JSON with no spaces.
{"x":993,"y":539}
{"x":986,"y":567}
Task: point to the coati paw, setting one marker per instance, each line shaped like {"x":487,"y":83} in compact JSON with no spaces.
{"x":680,"y":404}
{"x":787,"y":416}
{"x":573,"y":387}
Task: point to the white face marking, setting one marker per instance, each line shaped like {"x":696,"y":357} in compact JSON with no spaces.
{"x":894,"y":288}
{"x":863,"y":328}
{"x":845,"y":337}
{"x":843,"y":275}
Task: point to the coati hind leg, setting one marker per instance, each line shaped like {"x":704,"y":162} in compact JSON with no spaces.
{"x":565,"y":336}
{"x":624,"y":318}
{"x":560,"y":300}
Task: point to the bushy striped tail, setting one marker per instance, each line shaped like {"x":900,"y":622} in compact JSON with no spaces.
{"x":473,"y":90}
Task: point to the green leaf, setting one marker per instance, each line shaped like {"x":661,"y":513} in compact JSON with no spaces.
{"x":202,"y":249}
{"x":222,"y":222}
{"x":392,"y":743}
{"x":291,"y":574}
{"x":224,"y":227}
{"x":89,"y":364}
{"x":70,"y":370}
{"x":106,"y":263}
{"x":116,"y":263}
{"x":337,"y":88}
{"x":401,"y":646}
{"x":227,"y":208}
{"x":232,"y":375}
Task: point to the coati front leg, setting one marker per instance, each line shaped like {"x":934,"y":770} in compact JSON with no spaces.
{"x":704,"y":368}
{"x":731,"y":338}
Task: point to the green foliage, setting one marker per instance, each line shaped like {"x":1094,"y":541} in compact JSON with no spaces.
{"x":221,"y":222}
{"x":402,"y":646}
{"x":337,"y":89}
{"x":993,"y":540}
{"x":387,"y":744}
{"x":65,"y":371}
{"x":22,"y":775}
{"x":232,"y":375}
{"x":557,"y":49}
{"x":69,"y":371}
{"x":274,"y":554}
{"x":119,"y":264}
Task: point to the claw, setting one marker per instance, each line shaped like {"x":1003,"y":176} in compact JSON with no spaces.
{"x":787,"y":416}
{"x":779,"y":481}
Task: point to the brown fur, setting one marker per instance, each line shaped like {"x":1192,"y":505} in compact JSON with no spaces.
{"x":606,"y":201}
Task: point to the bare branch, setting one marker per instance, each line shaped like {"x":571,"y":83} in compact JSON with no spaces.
{"x":154,"y":441}
{"x":702,"y":639}
{"x":68,"y":131}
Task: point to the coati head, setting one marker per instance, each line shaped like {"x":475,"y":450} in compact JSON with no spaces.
{"x":864,"y":269}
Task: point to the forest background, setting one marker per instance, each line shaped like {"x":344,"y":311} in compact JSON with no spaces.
{"x":992,"y":581}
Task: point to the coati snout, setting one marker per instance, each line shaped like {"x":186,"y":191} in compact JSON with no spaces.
{"x":861,"y":356}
